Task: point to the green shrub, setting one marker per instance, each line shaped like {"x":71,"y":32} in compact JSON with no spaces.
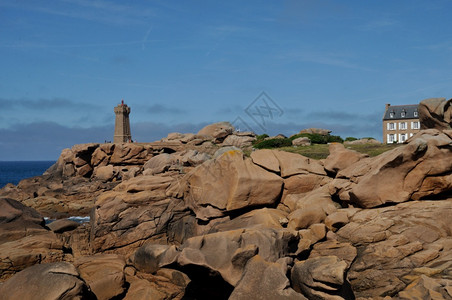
{"x":260,"y":138}
{"x":350,"y":139}
{"x":369,"y":138}
{"x":273,"y":143}
{"x":334,"y":139}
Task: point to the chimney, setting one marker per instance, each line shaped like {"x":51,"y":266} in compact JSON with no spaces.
{"x":387,"y":105}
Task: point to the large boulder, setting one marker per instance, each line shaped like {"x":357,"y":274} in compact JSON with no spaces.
{"x":286,"y":164}
{"x":228,"y":183}
{"x":24,"y":241}
{"x":104,"y":274}
{"x":417,"y":170}
{"x":265,"y":280}
{"x":237,"y":247}
{"x":340,"y":158}
{"x":240,"y":141}
{"x":55,"y":281}
{"x":435,"y":113}
{"x":135,"y":211}
{"x":309,"y":208}
{"x":322,"y":278}
{"x":217,"y":131}
{"x":165,"y":284}
{"x":301,"y":141}
{"x":316,"y":131}
{"x":18,"y":220}
{"x":396,"y":244}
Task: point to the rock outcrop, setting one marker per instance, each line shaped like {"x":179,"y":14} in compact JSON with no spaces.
{"x":435,"y":113}
{"x":189,"y":218}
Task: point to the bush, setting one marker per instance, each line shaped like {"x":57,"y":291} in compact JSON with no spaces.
{"x":273,"y":143}
{"x":350,"y":139}
{"x":318,"y":138}
{"x":334,"y":139}
{"x":369,"y":138}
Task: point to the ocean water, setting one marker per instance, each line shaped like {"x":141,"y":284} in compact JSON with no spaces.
{"x":15,"y":171}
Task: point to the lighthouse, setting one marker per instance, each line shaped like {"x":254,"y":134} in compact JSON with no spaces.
{"x":122,"y":124}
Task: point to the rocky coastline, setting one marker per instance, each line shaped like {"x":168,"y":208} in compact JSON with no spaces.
{"x":201,"y":216}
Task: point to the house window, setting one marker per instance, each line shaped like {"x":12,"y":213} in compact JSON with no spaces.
{"x":391,"y":138}
{"x":402,"y":125}
{"x":391,"y":114}
{"x":415,"y":125}
{"x":391,"y":126}
{"x":402,"y":137}
{"x":415,"y":113}
{"x":403,"y":113}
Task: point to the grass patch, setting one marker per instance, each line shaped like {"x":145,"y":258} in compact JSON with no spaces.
{"x":320,"y":151}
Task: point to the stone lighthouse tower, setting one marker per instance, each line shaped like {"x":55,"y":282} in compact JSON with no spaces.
{"x":122,"y":124}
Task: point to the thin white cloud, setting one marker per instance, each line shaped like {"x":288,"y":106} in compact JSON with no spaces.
{"x":96,"y":11}
{"x":379,"y":25}
{"x":329,"y":59}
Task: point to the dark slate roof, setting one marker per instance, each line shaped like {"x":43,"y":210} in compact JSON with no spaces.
{"x":398,"y":109}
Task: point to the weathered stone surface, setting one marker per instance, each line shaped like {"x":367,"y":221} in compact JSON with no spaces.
{"x":258,"y":218}
{"x":165,"y":284}
{"x":322,"y":278}
{"x":104,"y":173}
{"x":238,"y":246}
{"x":218,"y":130}
{"x":158,"y":164}
{"x":18,"y":220}
{"x":151,"y":257}
{"x":435,"y":113}
{"x":264,"y":280}
{"x":289,"y":163}
{"x":238,"y":140}
{"x":394,"y":242}
{"x":304,"y":183}
{"x":309,"y":208}
{"x":24,"y":240}
{"x":417,"y":170}
{"x":344,"y":251}
{"x":427,"y":288}
{"x":228,"y":183}
{"x":301,"y":141}
{"x":137,"y":210}
{"x":316,"y":131}
{"x":19,"y":254}
{"x":336,"y":220}
{"x":46,"y":281}
{"x":103,"y":273}
{"x":340,"y":158}
{"x":63,"y":225}
{"x":266,"y":159}
{"x":363,"y":141}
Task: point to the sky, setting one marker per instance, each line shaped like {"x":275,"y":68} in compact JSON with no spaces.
{"x":268,"y":66}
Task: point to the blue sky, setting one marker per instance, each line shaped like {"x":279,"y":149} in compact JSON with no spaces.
{"x":183,"y":64}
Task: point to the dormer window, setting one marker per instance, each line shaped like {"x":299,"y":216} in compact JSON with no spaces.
{"x":415,"y":113}
{"x":391,"y":114}
{"x":403,"y":113}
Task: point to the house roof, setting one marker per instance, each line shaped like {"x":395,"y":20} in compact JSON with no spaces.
{"x":397,"y":110}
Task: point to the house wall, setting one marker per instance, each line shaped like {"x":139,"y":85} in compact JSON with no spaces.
{"x":399,"y":130}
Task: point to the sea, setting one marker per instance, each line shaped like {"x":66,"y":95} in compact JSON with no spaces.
{"x":15,"y":171}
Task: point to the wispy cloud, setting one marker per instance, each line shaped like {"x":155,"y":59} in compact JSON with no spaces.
{"x":96,"y":11}
{"x":325,"y":58}
{"x":44,"y":104}
{"x":379,"y":25}
{"x":163,"y":109}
